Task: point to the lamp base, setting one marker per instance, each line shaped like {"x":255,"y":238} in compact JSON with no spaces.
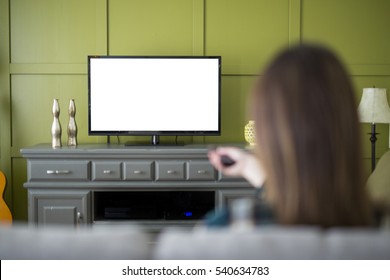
{"x":373,"y":141}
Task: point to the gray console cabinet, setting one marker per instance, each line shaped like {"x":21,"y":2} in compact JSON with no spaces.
{"x":63,"y":184}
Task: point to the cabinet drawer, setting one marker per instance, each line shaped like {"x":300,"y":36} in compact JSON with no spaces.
{"x":223,"y":177}
{"x":102,"y":171}
{"x":138,"y":170}
{"x":170,"y":170}
{"x":55,"y":170}
{"x":200,"y":170}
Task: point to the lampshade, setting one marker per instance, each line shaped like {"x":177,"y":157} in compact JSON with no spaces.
{"x":374,"y":107}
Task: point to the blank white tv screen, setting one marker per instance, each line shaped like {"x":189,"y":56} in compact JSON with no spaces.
{"x":154,"y":95}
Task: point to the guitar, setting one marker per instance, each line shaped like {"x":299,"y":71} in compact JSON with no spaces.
{"x":5,"y":213}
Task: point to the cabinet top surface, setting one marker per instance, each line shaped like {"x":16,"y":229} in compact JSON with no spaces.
{"x":116,"y":149}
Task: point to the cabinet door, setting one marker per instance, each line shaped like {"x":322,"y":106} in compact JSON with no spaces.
{"x":226,"y":196}
{"x":59,"y":207}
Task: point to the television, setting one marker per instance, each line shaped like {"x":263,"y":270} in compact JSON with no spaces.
{"x":154,"y":95}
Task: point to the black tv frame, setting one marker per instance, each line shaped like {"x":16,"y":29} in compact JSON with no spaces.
{"x":155,"y":134}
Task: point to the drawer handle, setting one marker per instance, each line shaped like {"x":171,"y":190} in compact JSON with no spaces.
{"x":79,"y":217}
{"x":171,"y":171}
{"x":107,"y":171}
{"x":202,"y":171}
{"x":57,"y":172}
{"x":137,"y":172}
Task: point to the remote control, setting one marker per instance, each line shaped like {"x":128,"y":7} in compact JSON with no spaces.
{"x":227,"y":161}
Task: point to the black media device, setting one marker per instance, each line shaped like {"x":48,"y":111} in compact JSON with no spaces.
{"x":227,"y":161}
{"x":154,"y":95}
{"x":155,"y":205}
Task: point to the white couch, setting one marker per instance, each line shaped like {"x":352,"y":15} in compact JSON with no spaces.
{"x":274,"y":243}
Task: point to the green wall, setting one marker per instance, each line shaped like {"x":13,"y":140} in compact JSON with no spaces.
{"x":44,"y":44}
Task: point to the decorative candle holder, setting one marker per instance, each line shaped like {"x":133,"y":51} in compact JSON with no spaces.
{"x":56,"y":126}
{"x":72,"y":127}
{"x":249,"y":133}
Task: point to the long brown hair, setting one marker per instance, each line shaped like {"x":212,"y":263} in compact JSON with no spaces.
{"x":308,"y":140}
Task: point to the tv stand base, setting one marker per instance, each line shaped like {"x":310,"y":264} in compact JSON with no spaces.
{"x":111,"y":184}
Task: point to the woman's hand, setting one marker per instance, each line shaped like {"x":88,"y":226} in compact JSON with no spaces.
{"x":246,"y":165}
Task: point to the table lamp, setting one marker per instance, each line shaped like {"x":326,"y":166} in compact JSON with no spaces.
{"x":374,"y":108}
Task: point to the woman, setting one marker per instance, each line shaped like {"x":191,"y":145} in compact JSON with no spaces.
{"x":308,"y":149}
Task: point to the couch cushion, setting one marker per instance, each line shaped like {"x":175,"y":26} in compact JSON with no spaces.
{"x":379,"y":181}
{"x":266,"y":243}
{"x":364,"y":244}
{"x":274,"y":243}
{"x":59,"y":242}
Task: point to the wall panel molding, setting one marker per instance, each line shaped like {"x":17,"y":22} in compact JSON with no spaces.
{"x":369,"y":69}
{"x":198,"y":27}
{"x":294,"y":22}
{"x":46,"y":68}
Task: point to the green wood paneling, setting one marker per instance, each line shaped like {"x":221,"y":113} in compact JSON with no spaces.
{"x":19,"y":175}
{"x":356,"y":29}
{"x":5,"y":116}
{"x":235,"y":90}
{"x":151,"y":27}
{"x":60,"y":31}
{"x":32,"y":99}
{"x":246,"y":33}
{"x":45,"y":43}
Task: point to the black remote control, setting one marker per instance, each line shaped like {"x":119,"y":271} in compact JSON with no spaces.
{"x":227,"y":161}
